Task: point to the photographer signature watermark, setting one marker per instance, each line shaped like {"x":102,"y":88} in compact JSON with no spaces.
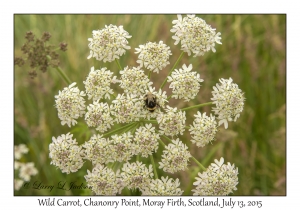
{"x":62,"y":185}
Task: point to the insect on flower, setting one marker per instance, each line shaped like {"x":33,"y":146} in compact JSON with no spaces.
{"x":150,"y":102}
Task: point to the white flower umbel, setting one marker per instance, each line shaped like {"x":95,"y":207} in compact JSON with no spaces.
{"x":97,"y":84}
{"x":126,"y":108}
{"x":20,"y":150}
{"x":185,"y":83}
{"x":17,"y":165}
{"x":121,"y":147}
{"x":203,"y":130}
{"x":229,"y":101}
{"x":70,"y":104}
{"x":145,"y":140}
{"x":133,"y":80}
{"x":163,"y":187}
{"x":104,"y":181}
{"x":175,"y":157}
{"x":136,"y":175}
{"x":171,"y":123}
{"x":18,"y":184}
{"x":153,"y":56}
{"x":98,"y":116}
{"x":98,"y":150}
{"x":195,"y":35}
{"x":27,"y":170}
{"x":217,"y":179}
{"x":109,"y":43}
{"x":65,"y":153}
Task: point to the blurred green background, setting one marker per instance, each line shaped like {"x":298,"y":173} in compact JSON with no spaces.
{"x":253,"y":54}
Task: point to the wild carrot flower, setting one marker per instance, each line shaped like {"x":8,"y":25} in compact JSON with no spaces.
{"x":27,"y":170}
{"x":109,"y":43}
{"x":203,"y":130}
{"x":229,"y":101}
{"x":163,"y":187}
{"x":18,"y":184}
{"x":171,"y":123}
{"x":70,"y":104}
{"x":65,"y":153}
{"x":104,"y":181}
{"x":99,"y":116}
{"x":20,"y":150}
{"x":97,"y":84}
{"x":136,"y":175}
{"x":98,"y":150}
{"x":24,"y":170}
{"x":126,"y":108}
{"x":185,"y":83}
{"x":195,"y":35}
{"x":145,"y":140}
{"x":153,"y":56}
{"x":218,"y":179}
{"x":133,"y":80}
{"x":121,"y":147}
{"x":175,"y":157}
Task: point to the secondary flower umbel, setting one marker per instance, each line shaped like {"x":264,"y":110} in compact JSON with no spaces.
{"x":164,"y":186}
{"x":145,"y":140}
{"x":70,"y":104}
{"x":185,"y":83}
{"x":195,"y":35}
{"x":25,"y":170}
{"x":203,"y":130}
{"x":153,"y":56}
{"x":98,"y":115}
{"x":65,"y":153}
{"x":218,"y":179}
{"x":109,"y":43}
{"x":175,"y":157}
{"x":171,"y":123}
{"x":133,"y":80}
{"x":104,"y":181}
{"x":136,"y":175}
{"x":20,"y":150}
{"x":98,"y":150}
{"x":229,"y":101}
{"x":97,"y":84}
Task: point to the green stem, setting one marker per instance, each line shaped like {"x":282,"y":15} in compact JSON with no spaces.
{"x":199,"y":164}
{"x":169,"y":97}
{"x":154,"y":168}
{"x":150,"y":121}
{"x":117,"y":61}
{"x":170,"y":140}
{"x":149,"y":74}
{"x":133,"y":127}
{"x":196,"y":106}
{"x":163,"y":84}
{"x":114,"y":96}
{"x":118,"y":129}
{"x":161,"y":142}
{"x":112,"y":165}
{"x":117,"y":165}
{"x":62,"y":74}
